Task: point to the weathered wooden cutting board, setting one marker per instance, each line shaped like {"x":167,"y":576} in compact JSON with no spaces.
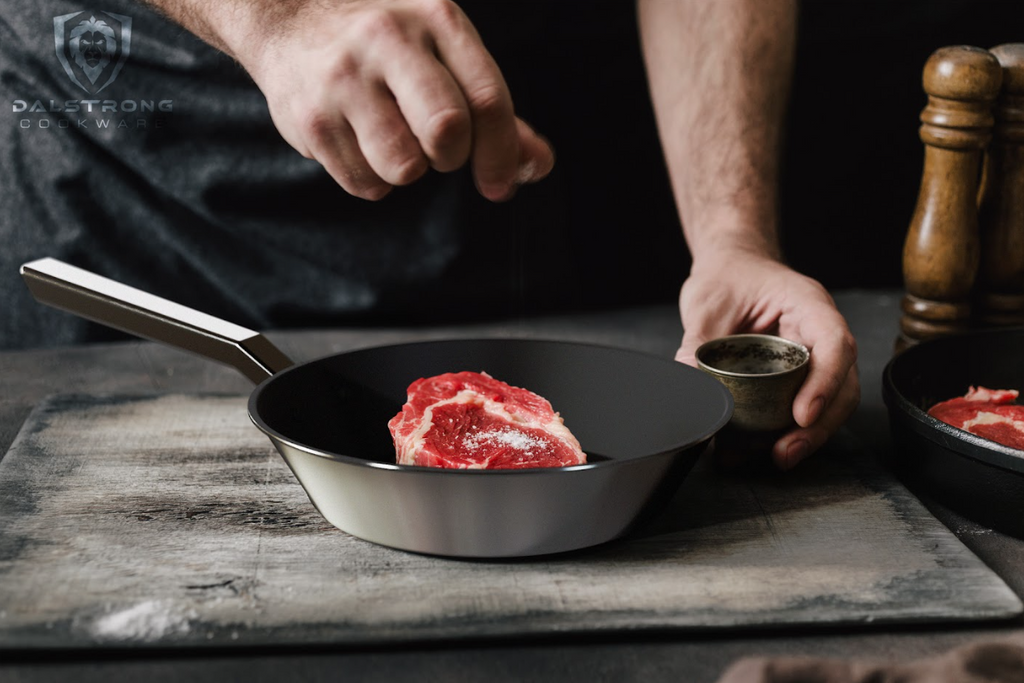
{"x":169,"y":520}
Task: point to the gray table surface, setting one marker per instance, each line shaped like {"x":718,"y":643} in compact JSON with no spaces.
{"x":143,"y":367}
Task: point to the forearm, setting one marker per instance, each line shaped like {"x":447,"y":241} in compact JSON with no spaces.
{"x":231,"y":25}
{"x":719,"y":72}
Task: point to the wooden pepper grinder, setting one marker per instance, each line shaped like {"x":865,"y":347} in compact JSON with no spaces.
{"x":941,"y":252}
{"x":1000,"y":296}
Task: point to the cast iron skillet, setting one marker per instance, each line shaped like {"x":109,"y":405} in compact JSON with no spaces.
{"x":978,"y":478}
{"x":642,"y":420}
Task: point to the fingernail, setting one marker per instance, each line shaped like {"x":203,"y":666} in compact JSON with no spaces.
{"x":797,"y":451}
{"x":814,"y":410}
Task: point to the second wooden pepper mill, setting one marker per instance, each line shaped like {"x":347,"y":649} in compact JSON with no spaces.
{"x":941,"y":252}
{"x":1000,"y":286}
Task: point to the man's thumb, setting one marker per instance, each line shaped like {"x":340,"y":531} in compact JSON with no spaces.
{"x":536,"y":157}
{"x":688,"y":349}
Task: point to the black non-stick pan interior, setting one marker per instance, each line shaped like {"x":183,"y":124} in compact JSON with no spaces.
{"x":980,"y":479}
{"x":620,"y":404}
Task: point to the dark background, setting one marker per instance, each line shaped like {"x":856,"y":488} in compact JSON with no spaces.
{"x":852,"y":161}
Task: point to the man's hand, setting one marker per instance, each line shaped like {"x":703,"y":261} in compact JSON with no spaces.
{"x":378,"y":91}
{"x":733,"y":292}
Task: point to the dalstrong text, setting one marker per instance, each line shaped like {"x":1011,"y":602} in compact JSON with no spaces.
{"x":76,"y":106}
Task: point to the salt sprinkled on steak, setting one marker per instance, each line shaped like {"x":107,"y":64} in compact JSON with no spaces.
{"x":507,"y":437}
{"x":469,"y":420}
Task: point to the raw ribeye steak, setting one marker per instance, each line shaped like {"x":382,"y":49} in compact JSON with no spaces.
{"x":988,"y":413}
{"x":469,"y":420}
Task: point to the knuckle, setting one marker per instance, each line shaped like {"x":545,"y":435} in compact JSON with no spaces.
{"x":444,"y":14}
{"x":380,"y":24}
{"x":834,"y":388}
{"x":848,"y":345}
{"x":490,"y":102}
{"x":407,"y":170}
{"x":447,"y":128}
{"x":345,"y":67}
{"x":396,"y":158}
{"x":320,"y":125}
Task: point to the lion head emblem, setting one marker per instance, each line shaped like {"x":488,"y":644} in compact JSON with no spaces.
{"x":92,"y":47}
{"x":91,"y":43}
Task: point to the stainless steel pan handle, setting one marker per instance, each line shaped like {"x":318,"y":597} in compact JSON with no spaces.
{"x":91,"y":296}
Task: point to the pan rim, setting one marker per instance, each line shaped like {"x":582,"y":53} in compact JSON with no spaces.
{"x":966,"y":444}
{"x":707,"y":434}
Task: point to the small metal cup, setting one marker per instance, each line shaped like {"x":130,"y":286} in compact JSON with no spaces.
{"x":763,"y":373}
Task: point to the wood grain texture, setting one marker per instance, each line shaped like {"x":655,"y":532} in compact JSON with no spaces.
{"x":941,"y":251}
{"x":168,"y":520}
{"x":1000,"y":295}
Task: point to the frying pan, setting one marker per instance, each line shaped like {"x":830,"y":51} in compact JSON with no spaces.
{"x":642,"y":420}
{"x":978,"y":478}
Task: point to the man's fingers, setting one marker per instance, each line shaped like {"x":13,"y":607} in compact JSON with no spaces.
{"x":833,"y":353}
{"x":496,"y":142}
{"x":803,"y":441}
{"x":433,"y":106}
{"x":495,"y":154}
{"x":705,"y":316}
{"x":688,"y":349}
{"x":693,"y":338}
{"x":390,"y":148}
{"x":333,"y":143}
